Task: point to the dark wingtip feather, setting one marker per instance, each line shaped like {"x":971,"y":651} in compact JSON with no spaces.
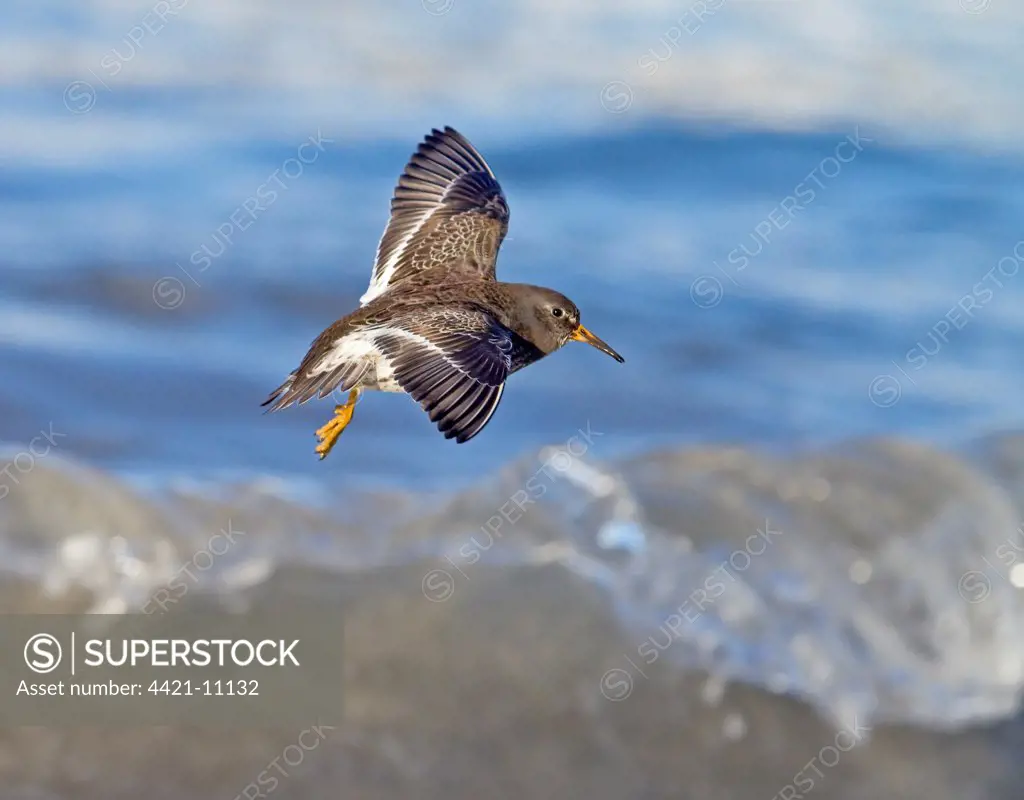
{"x":276,"y":398}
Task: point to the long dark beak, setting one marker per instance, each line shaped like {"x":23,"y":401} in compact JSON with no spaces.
{"x":581,"y":334}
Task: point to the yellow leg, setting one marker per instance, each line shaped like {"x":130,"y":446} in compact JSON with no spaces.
{"x":330,"y":432}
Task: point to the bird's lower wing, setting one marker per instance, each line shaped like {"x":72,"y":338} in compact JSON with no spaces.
{"x":455,"y":368}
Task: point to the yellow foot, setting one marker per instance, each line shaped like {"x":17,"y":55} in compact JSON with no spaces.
{"x":330,"y":432}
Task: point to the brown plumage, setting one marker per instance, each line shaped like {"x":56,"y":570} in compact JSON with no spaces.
{"x":434,"y":322}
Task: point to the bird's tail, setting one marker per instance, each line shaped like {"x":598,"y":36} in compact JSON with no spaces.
{"x":281,"y":396}
{"x":297,"y":390}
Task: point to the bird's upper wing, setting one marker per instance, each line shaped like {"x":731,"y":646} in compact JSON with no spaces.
{"x":453,"y":363}
{"x":448,"y":211}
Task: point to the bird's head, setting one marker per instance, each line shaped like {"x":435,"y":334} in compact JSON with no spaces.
{"x":551,"y":319}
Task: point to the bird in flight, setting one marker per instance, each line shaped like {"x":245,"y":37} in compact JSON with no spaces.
{"x":435,"y":323}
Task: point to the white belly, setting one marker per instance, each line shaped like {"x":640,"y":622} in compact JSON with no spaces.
{"x":360,"y":348}
{"x":383,"y":377}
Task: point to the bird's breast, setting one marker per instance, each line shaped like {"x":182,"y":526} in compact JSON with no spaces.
{"x":524,"y":352}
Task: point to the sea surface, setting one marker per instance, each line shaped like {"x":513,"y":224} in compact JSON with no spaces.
{"x":790,"y":522}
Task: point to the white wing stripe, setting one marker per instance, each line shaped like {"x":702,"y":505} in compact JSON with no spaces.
{"x":429,"y":179}
{"x":494,"y":407}
{"x":380,"y":283}
{"x":420,"y":340}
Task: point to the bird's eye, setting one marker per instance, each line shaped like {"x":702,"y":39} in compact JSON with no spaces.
{"x":557,"y":312}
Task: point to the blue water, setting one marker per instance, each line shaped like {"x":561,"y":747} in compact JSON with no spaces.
{"x":790,"y":268}
{"x":765,"y":336}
